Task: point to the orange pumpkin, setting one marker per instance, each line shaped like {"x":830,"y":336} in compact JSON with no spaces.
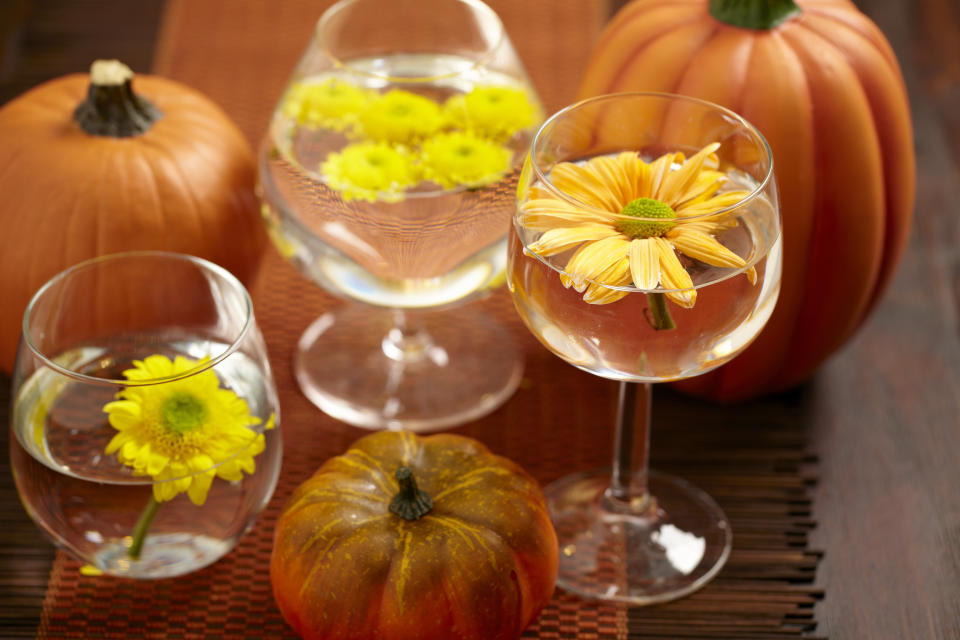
{"x":88,"y":168}
{"x":414,"y":538}
{"x":820,"y":81}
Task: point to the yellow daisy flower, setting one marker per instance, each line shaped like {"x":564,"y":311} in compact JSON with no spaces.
{"x":462,"y":159}
{"x":401,"y":117}
{"x":627,"y":219}
{"x":492,"y":112}
{"x":184,"y":432}
{"x":370,"y":171}
{"x":333,"y":103}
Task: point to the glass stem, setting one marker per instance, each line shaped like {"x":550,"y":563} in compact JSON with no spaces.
{"x":409,"y":342}
{"x":140,"y":529}
{"x":631,"y":449}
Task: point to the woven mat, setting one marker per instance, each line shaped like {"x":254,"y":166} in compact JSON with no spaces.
{"x":240,"y":52}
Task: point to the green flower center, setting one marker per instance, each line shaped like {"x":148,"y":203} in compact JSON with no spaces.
{"x":646,"y":208}
{"x":182,"y":412}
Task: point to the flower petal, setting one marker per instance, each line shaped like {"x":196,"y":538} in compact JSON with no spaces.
{"x":644,"y":263}
{"x":716,"y":203}
{"x":618,"y":274}
{"x":560,"y":239}
{"x":674,"y":276}
{"x":200,"y":487}
{"x":584,"y":183}
{"x":546,"y":213}
{"x":704,"y":248}
{"x":677,"y":183}
{"x":593,"y":259}
{"x":658,"y":169}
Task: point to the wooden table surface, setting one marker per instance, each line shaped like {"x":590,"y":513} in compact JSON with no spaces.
{"x":883,"y":415}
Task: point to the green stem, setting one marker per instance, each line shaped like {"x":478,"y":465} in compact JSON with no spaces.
{"x":659,"y":315}
{"x":140,"y":530}
{"x":754,"y":14}
{"x":410,"y":503}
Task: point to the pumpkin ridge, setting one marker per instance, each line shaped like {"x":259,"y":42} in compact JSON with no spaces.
{"x":861,"y":24}
{"x":644,"y":42}
{"x":645,"y":45}
{"x":148,"y":177}
{"x":521,"y":595}
{"x":400,"y":556}
{"x":376,"y":471}
{"x":896,"y":158}
{"x":690,"y":61}
{"x":470,"y":479}
{"x":894,"y":237}
{"x":469,"y":533}
{"x":309,"y":498}
{"x":502,"y":547}
{"x":187,"y":187}
{"x":331,"y":548}
{"x":743,"y":77}
{"x":853,"y":311}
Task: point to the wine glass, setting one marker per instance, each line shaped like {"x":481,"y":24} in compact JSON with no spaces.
{"x":646,"y":248}
{"x":388,"y":177}
{"x":143,"y":433}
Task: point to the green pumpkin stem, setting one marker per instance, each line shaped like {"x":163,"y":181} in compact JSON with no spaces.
{"x":658,"y":315}
{"x":410,"y":503}
{"x":754,"y":14}
{"x":111,"y":108}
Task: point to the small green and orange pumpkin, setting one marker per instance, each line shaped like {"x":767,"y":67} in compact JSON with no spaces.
{"x":404,"y":537}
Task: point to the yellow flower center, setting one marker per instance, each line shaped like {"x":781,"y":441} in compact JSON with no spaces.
{"x":646,"y":208}
{"x":182,"y":413}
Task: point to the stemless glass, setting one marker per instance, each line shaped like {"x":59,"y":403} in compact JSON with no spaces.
{"x":144,"y":434}
{"x":388,"y":176}
{"x":603,"y":249}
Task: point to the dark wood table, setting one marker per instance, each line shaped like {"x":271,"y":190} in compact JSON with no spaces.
{"x":883,"y":415}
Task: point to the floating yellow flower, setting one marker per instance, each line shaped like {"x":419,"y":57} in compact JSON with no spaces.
{"x":370,"y":171}
{"x":462,"y":159}
{"x":332,"y":103}
{"x":627,"y":217}
{"x":183,"y":432}
{"x":401,"y":117}
{"x":492,"y":112}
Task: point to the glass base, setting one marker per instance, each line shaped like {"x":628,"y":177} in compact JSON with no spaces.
{"x":418,"y":371}
{"x":662,"y":552}
{"x":163,"y":556}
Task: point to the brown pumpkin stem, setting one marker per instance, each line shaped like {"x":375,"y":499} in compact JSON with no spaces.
{"x":410,"y":503}
{"x":111,"y":108}
{"x":753,"y":14}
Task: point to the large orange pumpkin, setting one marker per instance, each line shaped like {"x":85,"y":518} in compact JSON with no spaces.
{"x":820,"y":81}
{"x":88,"y":168}
{"x":409,"y":538}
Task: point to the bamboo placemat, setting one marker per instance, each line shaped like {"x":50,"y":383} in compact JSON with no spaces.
{"x":240,"y":52}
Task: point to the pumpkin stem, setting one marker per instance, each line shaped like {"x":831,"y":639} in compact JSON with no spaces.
{"x":111,"y":108}
{"x":753,"y":14}
{"x":410,"y":503}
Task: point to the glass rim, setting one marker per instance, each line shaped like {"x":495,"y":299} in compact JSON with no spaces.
{"x":478,"y":6}
{"x":552,"y":120}
{"x":91,"y":262}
